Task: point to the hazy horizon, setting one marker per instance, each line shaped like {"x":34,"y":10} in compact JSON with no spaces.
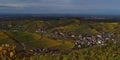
{"x":93,"y":7}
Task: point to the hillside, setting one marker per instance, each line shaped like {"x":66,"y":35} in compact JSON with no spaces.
{"x":35,"y":33}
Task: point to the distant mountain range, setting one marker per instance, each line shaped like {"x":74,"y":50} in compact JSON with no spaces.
{"x":6,"y":17}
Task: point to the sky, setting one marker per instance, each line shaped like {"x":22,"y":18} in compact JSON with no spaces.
{"x":61,"y":6}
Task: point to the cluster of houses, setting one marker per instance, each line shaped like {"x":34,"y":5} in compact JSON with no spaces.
{"x":86,"y":40}
{"x":38,"y":51}
{"x":40,"y":31}
{"x":90,"y":40}
{"x":80,"y":41}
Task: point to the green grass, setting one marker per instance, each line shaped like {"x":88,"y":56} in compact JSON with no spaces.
{"x":5,"y":39}
{"x":33,"y":40}
{"x":107,"y":52}
{"x":65,"y":45}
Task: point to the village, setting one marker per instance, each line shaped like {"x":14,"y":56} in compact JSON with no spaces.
{"x":80,"y":41}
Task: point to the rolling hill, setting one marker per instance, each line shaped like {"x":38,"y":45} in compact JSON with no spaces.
{"x":25,"y":31}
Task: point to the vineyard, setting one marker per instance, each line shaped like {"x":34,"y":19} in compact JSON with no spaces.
{"x":106,"y":52}
{"x":70,"y":39}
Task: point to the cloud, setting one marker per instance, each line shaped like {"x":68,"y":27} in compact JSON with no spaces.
{"x":12,"y":6}
{"x":43,"y":6}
